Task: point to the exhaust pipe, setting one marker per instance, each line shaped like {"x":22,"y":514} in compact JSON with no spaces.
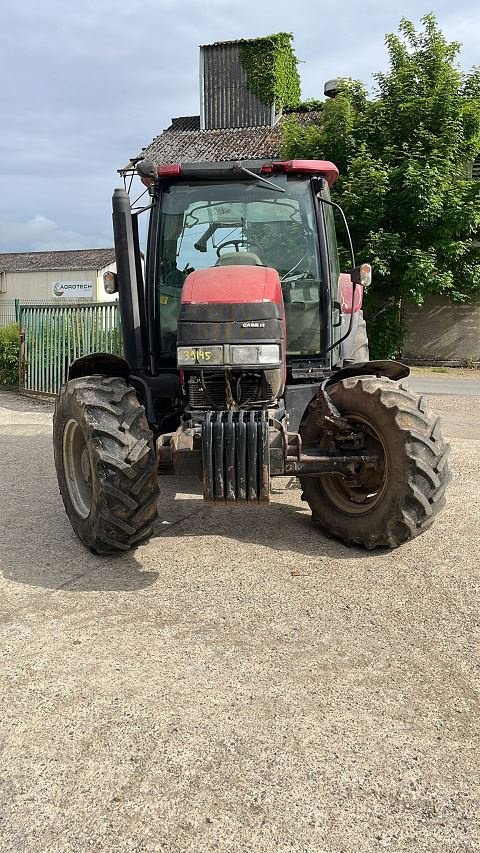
{"x":131,"y":293}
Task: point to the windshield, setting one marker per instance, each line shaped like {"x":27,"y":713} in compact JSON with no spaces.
{"x":248,"y":222}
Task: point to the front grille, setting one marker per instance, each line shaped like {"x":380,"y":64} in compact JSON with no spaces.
{"x":248,"y":389}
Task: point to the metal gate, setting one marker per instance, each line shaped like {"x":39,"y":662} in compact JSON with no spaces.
{"x":52,"y":336}
{"x":9,"y":309}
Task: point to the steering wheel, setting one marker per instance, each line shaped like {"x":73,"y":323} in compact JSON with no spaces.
{"x":237,"y":243}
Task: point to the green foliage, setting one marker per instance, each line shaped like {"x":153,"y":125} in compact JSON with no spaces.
{"x":385,"y":331}
{"x":9,"y":355}
{"x":271,"y":68}
{"x":308,"y":106}
{"x":403,"y":157}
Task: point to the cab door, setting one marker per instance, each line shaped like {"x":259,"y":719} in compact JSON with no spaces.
{"x":334,"y":274}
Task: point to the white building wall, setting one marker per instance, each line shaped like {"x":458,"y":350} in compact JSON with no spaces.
{"x":37,"y":285}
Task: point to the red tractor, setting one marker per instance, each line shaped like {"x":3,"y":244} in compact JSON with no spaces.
{"x":246,"y":358}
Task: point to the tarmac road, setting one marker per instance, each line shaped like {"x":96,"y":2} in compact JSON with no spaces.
{"x":240,"y":683}
{"x":434,"y":384}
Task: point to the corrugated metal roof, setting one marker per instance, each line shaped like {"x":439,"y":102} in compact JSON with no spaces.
{"x":244,"y":143}
{"x":305,"y":117}
{"x":185,"y":123}
{"x":77,"y":259}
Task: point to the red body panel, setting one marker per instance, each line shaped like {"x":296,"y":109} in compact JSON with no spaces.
{"x":233,"y":284}
{"x":306,"y":167}
{"x":345,"y":288}
{"x":169,"y":171}
{"x":236,"y":284}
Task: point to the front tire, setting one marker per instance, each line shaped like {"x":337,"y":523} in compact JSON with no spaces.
{"x":106,"y":464}
{"x":398,"y":498}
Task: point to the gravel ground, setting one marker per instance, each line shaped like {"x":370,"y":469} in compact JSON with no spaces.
{"x":240,"y":683}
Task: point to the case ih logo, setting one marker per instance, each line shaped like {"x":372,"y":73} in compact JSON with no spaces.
{"x":253,"y":325}
{"x":73,"y":289}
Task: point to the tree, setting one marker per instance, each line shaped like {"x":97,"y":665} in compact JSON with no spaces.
{"x":405,"y":186}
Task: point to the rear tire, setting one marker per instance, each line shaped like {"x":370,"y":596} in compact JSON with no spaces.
{"x":106,"y":463}
{"x":400,"y":497}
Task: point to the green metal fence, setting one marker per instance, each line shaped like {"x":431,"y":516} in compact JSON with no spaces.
{"x":52,"y":336}
{"x":9,"y":309}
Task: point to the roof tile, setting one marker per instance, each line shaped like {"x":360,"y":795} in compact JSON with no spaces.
{"x":76,"y":259}
{"x":183,"y":142}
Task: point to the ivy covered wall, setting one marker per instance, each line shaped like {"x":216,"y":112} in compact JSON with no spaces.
{"x":271,"y":69}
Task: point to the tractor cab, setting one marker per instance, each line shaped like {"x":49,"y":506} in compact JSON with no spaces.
{"x":236,"y":221}
{"x":274,"y":216}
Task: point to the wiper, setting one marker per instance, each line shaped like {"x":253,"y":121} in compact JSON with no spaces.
{"x":294,"y":268}
{"x":298,"y":276}
{"x":238,"y":167}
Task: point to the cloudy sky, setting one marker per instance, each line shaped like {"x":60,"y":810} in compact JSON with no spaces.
{"x":86,"y":85}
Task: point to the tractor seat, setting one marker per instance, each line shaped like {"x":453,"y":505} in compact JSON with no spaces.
{"x":230,"y":258}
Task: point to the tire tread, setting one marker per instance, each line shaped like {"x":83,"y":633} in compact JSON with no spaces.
{"x":425,"y":464}
{"x":121,"y":446}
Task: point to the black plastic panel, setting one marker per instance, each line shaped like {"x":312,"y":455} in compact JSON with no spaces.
{"x":235,"y":457}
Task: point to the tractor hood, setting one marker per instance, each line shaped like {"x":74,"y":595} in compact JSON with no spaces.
{"x":232,"y":284}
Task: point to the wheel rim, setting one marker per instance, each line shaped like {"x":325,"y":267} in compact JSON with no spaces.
{"x":78,"y":468}
{"x":360,"y":496}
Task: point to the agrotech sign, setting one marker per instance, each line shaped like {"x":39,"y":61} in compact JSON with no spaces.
{"x":72,"y":289}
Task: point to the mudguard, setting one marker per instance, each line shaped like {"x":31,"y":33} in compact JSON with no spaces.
{"x":391,"y":369}
{"x":104,"y":363}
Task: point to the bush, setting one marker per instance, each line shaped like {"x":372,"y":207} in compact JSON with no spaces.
{"x":385,"y":334}
{"x":9,"y":355}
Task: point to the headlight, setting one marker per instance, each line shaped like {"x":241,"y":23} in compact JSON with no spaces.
{"x":203,"y":356}
{"x":255,"y":354}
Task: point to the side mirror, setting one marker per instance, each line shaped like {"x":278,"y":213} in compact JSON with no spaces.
{"x":110,"y":282}
{"x":362,"y":275}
